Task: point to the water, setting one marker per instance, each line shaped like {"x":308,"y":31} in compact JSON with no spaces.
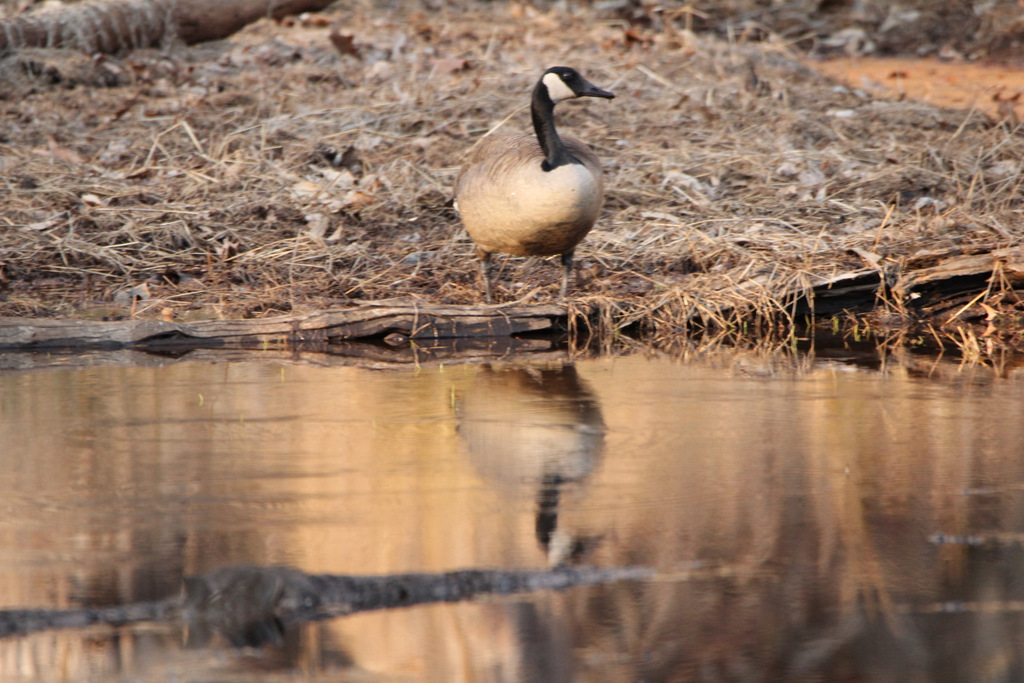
{"x":809,"y":518}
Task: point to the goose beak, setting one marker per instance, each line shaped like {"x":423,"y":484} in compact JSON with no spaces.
{"x":591,"y":90}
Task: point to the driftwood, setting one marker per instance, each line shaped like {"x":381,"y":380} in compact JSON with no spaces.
{"x":116,"y":25}
{"x":252,"y":606}
{"x":941,"y":285}
{"x":927,"y":285}
{"x":394,"y":324}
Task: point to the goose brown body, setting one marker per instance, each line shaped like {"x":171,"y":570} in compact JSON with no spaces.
{"x":533,"y":195}
{"x":510,"y":205}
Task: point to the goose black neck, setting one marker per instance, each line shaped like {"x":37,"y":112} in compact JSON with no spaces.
{"x":542,"y":110}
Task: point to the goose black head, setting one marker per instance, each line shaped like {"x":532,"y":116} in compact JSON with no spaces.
{"x":564,"y":83}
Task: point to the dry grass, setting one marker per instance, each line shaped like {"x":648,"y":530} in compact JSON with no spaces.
{"x":272,"y":173}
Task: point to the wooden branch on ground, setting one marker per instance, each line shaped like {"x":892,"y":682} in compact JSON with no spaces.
{"x":953,"y":283}
{"x":393,"y":323}
{"x":115,"y":25}
{"x":931,"y":285}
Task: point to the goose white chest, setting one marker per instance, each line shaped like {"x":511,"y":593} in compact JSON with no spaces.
{"x":521,"y":209}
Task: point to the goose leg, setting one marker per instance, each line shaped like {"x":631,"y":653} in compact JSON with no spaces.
{"x":567,"y":262}
{"x":485,"y":272}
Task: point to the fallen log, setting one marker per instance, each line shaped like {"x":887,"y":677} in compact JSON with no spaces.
{"x":117,"y":25}
{"x":928,"y":285}
{"x":856,"y":291}
{"x":946,"y":284}
{"x":395,"y":324}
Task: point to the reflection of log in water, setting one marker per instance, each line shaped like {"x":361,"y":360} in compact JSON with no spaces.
{"x":250,"y":606}
{"x":539,"y":428}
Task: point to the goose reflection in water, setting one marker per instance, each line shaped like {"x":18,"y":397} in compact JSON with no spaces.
{"x":537,"y":427}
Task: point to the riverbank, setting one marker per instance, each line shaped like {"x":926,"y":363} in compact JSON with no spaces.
{"x":308,"y":165}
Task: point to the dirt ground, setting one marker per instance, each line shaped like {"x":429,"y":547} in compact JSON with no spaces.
{"x":309,"y":164}
{"x":994,"y":88}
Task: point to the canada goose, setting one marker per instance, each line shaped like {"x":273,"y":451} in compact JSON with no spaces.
{"x":533,"y":196}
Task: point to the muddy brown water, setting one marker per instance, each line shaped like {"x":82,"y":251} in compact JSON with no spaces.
{"x":810,"y":516}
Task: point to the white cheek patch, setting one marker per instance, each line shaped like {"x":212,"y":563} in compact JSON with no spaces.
{"x":557,"y":89}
